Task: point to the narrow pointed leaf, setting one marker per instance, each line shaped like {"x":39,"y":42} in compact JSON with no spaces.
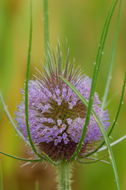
{"x":10,"y":118}
{"x":113,"y":54}
{"x":43,"y":156}
{"x":95,"y":74}
{"x":21,"y":159}
{"x":91,"y":98}
{"x":116,"y":117}
{"x":113,"y":143}
{"x":94,"y":160}
{"x":101,"y":128}
{"x":26,"y":84}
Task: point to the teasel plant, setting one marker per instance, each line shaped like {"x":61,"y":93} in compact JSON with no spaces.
{"x":60,"y":116}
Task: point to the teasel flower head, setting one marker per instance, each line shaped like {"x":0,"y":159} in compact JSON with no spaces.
{"x":56,"y":114}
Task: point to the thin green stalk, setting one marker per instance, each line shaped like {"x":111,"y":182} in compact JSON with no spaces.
{"x":111,"y":156}
{"x":46,"y":27}
{"x":42,"y":156}
{"x":101,"y":127}
{"x":30,"y":142}
{"x":95,"y":75}
{"x":115,"y":120}
{"x":10,"y":118}
{"x":113,"y":143}
{"x":64,"y":176}
{"x":26,"y":85}
{"x":93,"y":86}
{"x":17,"y":131}
{"x":112,"y":58}
{"x":94,"y":160}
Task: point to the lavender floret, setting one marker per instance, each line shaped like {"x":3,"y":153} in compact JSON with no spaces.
{"x":57,"y":116}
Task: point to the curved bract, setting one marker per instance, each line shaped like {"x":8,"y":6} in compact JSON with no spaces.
{"x":57,"y":115}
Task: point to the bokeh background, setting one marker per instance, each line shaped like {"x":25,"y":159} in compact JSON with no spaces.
{"x":76,"y":24}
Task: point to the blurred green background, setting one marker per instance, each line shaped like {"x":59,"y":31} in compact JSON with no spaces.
{"x":76,"y":24}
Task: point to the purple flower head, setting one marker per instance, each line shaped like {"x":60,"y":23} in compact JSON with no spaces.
{"x":56,"y":115}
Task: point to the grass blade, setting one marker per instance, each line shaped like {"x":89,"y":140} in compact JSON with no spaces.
{"x":112,"y":58}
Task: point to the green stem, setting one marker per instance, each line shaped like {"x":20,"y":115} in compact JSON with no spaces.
{"x":64,"y":176}
{"x":46,"y":27}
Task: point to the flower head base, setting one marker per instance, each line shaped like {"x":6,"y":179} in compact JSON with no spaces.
{"x":56,"y":115}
